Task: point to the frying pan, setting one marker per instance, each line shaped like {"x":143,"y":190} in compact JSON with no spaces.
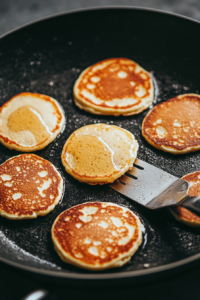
{"x":47,"y":57}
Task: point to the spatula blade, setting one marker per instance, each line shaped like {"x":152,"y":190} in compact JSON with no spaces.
{"x":143,"y":183}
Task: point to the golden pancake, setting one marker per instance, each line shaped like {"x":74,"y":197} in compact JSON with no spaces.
{"x":99,"y":153}
{"x":30,"y":186}
{"x":174,"y":126}
{"x":97,"y":235}
{"x":183,"y":214}
{"x":29,"y":122}
{"x":114,"y":86}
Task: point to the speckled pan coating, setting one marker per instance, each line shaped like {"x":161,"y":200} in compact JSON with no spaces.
{"x":47,"y":58}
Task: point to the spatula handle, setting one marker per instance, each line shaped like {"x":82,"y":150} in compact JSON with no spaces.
{"x":193,"y":204}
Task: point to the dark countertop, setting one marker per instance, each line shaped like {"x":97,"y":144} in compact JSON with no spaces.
{"x":16,"y":284}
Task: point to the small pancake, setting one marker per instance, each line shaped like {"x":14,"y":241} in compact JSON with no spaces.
{"x":174,"y":126}
{"x":96,"y":235}
{"x":115,"y":86}
{"x":99,"y":153}
{"x":183,"y":214}
{"x":29,"y":122}
{"x":30,"y":186}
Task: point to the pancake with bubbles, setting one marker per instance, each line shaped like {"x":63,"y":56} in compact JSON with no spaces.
{"x":115,"y":86}
{"x":97,"y":235}
{"x":174,"y":126}
{"x":30,"y":186}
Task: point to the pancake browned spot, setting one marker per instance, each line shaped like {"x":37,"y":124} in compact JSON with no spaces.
{"x":174,"y":126}
{"x":99,"y":153}
{"x":96,"y":235}
{"x":30,"y":121}
{"x":30,"y":186}
{"x":183,"y":214}
{"x":115,"y":86}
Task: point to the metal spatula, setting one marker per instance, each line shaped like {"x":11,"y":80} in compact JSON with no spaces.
{"x":154,"y":188}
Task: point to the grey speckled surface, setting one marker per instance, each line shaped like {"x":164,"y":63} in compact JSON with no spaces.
{"x":16,"y":13}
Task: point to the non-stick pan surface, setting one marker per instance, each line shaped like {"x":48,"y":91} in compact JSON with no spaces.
{"x":47,"y":57}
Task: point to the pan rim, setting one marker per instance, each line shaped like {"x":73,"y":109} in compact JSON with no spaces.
{"x":175,"y":266}
{"x":156,"y":271}
{"x":115,"y":7}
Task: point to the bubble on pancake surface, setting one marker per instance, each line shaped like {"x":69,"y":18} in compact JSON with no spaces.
{"x":6,"y":177}
{"x":161,"y":131}
{"x":27,"y":194}
{"x":16,"y":196}
{"x":92,"y":246}
{"x":95,"y":79}
{"x":114,"y":86}
{"x":99,"y":151}
{"x":122,"y":74}
{"x":174,"y":126}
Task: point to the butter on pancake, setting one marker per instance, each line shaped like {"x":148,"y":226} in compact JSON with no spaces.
{"x":97,"y":235}
{"x":115,"y":86}
{"x":30,"y":186}
{"x":183,"y":214}
{"x":30,"y":121}
{"x":99,"y":153}
{"x":174,"y":126}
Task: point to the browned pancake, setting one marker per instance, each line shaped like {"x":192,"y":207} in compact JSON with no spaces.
{"x":96,"y":235}
{"x":183,"y":214}
{"x":174,"y":126}
{"x":115,"y":86}
{"x":29,"y":186}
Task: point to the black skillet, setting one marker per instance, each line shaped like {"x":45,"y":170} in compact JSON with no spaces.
{"x":47,"y":57}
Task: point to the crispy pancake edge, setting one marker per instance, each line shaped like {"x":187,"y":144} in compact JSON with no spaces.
{"x":98,"y":180}
{"x":168,"y":149}
{"x":194,"y":222}
{"x":39,"y":213}
{"x":108,"y":112}
{"x":101,"y":110}
{"x":12,"y":145}
{"x":120,"y":261}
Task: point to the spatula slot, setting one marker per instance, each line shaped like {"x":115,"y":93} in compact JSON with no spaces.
{"x":122,"y":182}
{"x":131,"y":176}
{"x":138,"y":167}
